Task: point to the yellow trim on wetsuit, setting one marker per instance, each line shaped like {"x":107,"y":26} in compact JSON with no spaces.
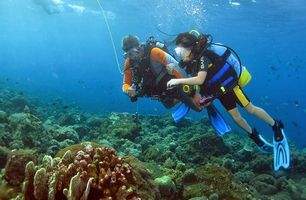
{"x":241,"y":97}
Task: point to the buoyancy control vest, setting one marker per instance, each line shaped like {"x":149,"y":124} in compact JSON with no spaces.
{"x":221,"y":75}
{"x":146,"y":76}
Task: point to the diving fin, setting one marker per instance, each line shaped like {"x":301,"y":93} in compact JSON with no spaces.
{"x":261,"y":143}
{"x":280,"y":147}
{"x":181,"y":111}
{"x":217,"y":121}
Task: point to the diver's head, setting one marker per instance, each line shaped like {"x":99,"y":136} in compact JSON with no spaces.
{"x":190,"y":44}
{"x":185,"y":43}
{"x":129,"y":42}
{"x":132,"y":48}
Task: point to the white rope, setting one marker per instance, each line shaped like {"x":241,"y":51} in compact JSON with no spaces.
{"x":111,"y":36}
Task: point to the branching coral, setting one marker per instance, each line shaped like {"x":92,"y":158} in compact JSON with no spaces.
{"x":90,"y":173}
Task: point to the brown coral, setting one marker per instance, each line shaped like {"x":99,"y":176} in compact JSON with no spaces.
{"x":15,"y":166}
{"x":91,"y":173}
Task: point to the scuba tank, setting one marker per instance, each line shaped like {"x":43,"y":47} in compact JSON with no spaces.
{"x":141,"y":69}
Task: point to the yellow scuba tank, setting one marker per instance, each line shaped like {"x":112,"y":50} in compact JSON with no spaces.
{"x":245,"y":77}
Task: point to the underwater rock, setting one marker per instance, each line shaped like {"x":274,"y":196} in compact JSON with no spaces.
{"x":221,"y":181}
{"x":128,"y":148}
{"x":144,"y":179}
{"x":24,"y":122}
{"x":244,"y":176}
{"x":94,"y":122}
{"x":230,"y":164}
{"x":189,"y":177}
{"x":299,"y":161}
{"x":15,"y":166}
{"x":166,"y":186}
{"x":191,"y":150}
{"x":152,"y":153}
{"x":261,"y":164}
{"x":294,"y":190}
{"x":3,"y":117}
{"x":69,"y":119}
{"x":67,"y":133}
{"x":198,"y":198}
{"x":194,"y":191}
{"x":82,"y":131}
{"x":126,"y":132}
{"x":84,"y":172}
{"x":181,"y":166}
{"x":124,"y":126}
{"x":8,"y":192}
{"x":18,"y":103}
{"x":4,"y":152}
{"x":265,"y":184}
{"x":170,"y":163}
{"x":26,"y":131}
{"x":245,"y":155}
{"x":213,"y":196}
{"x":168,"y":130}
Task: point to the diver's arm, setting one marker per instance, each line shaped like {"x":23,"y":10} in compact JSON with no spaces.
{"x":160,"y":56}
{"x":127,"y":77}
{"x":197,"y":80}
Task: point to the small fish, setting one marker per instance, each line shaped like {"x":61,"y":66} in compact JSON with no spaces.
{"x":273,"y":68}
{"x":65,"y":107}
{"x":296,"y":103}
{"x":296,"y":125}
{"x":234,"y":3}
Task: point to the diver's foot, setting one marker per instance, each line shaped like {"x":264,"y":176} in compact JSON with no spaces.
{"x":277,"y":129}
{"x":262,"y":144}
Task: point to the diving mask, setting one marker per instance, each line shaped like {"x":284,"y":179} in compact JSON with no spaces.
{"x":133,"y":54}
{"x":182,"y":53}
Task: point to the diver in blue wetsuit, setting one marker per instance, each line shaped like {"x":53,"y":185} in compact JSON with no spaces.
{"x":220,"y":75}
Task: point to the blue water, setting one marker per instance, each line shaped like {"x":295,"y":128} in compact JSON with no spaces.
{"x":61,"y":49}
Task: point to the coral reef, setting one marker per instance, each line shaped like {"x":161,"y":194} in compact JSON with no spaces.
{"x":84,"y":172}
{"x":15,"y":166}
{"x":154,"y":158}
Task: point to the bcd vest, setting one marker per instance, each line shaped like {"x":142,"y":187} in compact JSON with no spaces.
{"x":147,"y":76}
{"x":221,"y":76}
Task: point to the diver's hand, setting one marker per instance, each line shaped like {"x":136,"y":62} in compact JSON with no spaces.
{"x":197,"y":101}
{"x":172,"y":83}
{"x":131,"y":92}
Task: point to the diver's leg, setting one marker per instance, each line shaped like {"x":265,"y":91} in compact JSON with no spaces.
{"x":260,"y":113}
{"x":240,"y":120}
{"x":229,"y":102}
{"x":244,"y":102}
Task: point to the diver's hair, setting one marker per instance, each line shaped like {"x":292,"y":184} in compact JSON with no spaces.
{"x":129,"y":42}
{"x":186,"y":40}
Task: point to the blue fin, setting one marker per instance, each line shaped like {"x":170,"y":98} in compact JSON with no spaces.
{"x":181,"y":111}
{"x":217,"y":121}
{"x":281,"y":150}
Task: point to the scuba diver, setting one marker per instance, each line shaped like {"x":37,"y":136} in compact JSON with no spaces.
{"x":217,"y":69}
{"x":147,"y":70}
